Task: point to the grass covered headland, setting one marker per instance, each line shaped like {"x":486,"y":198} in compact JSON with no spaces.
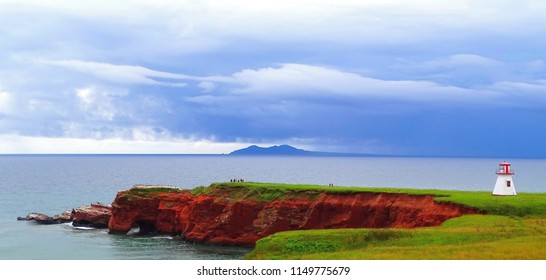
{"x":512,"y":227}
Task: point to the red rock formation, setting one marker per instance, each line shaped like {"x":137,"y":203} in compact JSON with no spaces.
{"x":66,"y":216}
{"x":95,"y":215}
{"x":216,"y":219}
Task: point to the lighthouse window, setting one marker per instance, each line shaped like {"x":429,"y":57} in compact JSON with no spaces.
{"x":508,"y":183}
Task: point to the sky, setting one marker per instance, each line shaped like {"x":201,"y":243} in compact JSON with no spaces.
{"x":389,"y":77}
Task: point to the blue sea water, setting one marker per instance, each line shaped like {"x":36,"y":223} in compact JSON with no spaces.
{"x":52,"y":183}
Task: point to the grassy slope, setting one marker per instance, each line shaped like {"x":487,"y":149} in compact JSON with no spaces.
{"x":514,"y":229}
{"x":467,"y":237}
{"x":148,"y":192}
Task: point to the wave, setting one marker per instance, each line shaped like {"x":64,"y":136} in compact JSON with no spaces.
{"x":84,"y":228}
{"x":162,"y":237}
{"x":70,"y":224}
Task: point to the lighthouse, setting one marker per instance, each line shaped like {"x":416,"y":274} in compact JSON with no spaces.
{"x":505,"y":184}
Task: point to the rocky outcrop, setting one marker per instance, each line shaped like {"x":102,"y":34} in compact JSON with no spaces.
{"x":94,"y":215}
{"x":64,"y":217}
{"x":41,"y":218}
{"x":220,"y":219}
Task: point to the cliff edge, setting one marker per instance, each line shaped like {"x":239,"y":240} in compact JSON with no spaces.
{"x":240,"y":214}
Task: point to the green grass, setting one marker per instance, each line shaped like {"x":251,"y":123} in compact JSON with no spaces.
{"x":200,"y":190}
{"x":466,"y":237}
{"x":149,"y":191}
{"x":265,"y":192}
{"x":514,"y":227}
{"x":524,"y":204}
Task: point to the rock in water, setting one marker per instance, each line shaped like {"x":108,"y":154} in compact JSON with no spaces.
{"x":95,"y":215}
{"x":40,"y":218}
{"x":66,"y":216}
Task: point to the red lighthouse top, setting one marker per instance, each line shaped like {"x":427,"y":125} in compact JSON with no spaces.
{"x":504,"y":169}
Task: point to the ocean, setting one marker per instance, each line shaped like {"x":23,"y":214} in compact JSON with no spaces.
{"x":50,"y":184}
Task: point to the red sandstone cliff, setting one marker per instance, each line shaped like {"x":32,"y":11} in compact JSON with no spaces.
{"x":217,"y":218}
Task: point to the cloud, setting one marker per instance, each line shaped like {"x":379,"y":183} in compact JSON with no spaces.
{"x":136,"y":75}
{"x":289,"y":79}
{"x":209,"y":71}
{"x":6,"y":102}
{"x":292,"y":80}
{"x":535,"y":66}
{"x":123,"y":74}
{"x":207,"y":86}
{"x":17,"y":144}
{"x":310,"y":80}
{"x":99,"y":103}
{"x":196,"y":27}
{"x":461,"y":60}
{"x":534,"y":92}
{"x":464,"y":70}
{"x":102,"y":131}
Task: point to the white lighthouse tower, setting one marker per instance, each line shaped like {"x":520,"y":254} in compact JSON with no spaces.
{"x":505,"y":184}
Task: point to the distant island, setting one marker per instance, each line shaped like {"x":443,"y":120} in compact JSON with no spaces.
{"x":287,"y":150}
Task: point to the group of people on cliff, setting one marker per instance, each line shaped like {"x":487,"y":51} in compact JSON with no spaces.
{"x":237,"y":180}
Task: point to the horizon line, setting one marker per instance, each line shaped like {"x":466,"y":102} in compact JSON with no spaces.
{"x":334,"y":154}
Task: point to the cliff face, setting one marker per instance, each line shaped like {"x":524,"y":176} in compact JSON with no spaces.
{"x":217,"y":218}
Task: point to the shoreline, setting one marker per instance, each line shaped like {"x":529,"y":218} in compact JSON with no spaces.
{"x":244,"y":211}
